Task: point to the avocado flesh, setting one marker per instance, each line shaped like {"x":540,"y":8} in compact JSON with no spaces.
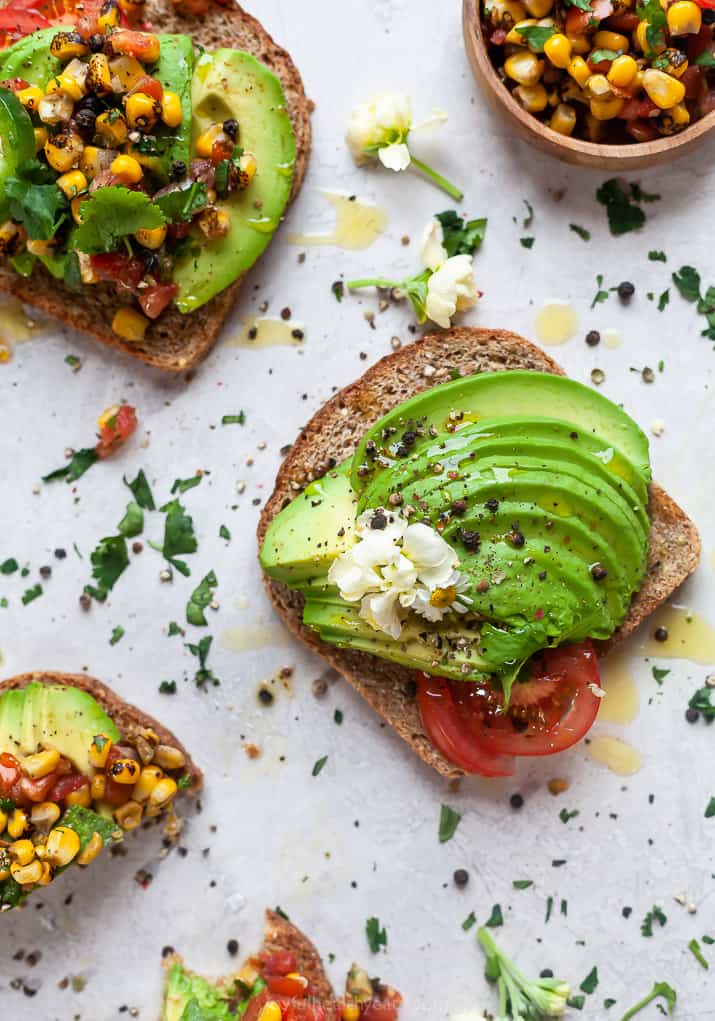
{"x":30,"y":57}
{"x":190,"y":996}
{"x":499,"y":394}
{"x":51,"y":716}
{"x":175,"y":69}
{"x":232,"y":84}
{"x":569,"y":485}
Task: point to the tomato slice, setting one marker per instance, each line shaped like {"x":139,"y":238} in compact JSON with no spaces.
{"x":155,"y":299}
{"x":449,"y":733}
{"x":17,"y":23}
{"x":286,"y":985}
{"x":122,"y":270}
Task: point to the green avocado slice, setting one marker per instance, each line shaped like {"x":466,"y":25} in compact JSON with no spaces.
{"x":30,"y":57}
{"x":232,"y":84}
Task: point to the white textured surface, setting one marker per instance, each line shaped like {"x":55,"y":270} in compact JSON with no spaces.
{"x":282,"y":836}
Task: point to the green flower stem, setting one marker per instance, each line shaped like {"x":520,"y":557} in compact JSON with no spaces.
{"x":437,"y":179}
{"x":354,"y":285}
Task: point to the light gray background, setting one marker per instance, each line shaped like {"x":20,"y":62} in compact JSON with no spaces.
{"x":283,"y":837}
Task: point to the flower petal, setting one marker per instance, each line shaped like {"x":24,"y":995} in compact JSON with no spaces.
{"x":432,"y":251}
{"x":395,"y":157}
{"x":436,"y":119}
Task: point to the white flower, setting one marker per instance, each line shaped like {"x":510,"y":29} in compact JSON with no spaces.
{"x":450,"y":289}
{"x":397,"y":568}
{"x":432,"y":250}
{"x":379,"y":129}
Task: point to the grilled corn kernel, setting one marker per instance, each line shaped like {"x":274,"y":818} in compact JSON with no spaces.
{"x":524,"y":68}
{"x":18,"y":823}
{"x":677,"y":62}
{"x":124,"y":771}
{"x":662,"y":88}
{"x":79,"y":797}
{"x":108,"y":16}
{"x":67,"y":45}
{"x":127,"y":70}
{"x":580,"y":43}
{"x":112,"y":127}
{"x":62,"y":846}
{"x":205,"y":141}
{"x":63,"y":151}
{"x":558,"y":49}
{"x":55,"y":109}
{"x":171,"y":112}
{"x":12,"y":239}
{"x":27,"y":875}
{"x":89,"y":160}
{"x":45,"y":814}
{"x":152,"y":239}
{"x":598,"y":87}
{"x":67,"y":84}
{"x":247,"y":167}
{"x":163,"y":792}
{"x":99,"y":749}
{"x":606,"y":109}
{"x":94,"y":846}
{"x":98,"y":786}
{"x":3,"y":820}
{"x":214,"y":223}
{"x":129,"y":324}
{"x":504,"y":13}
{"x":539,"y":8}
{"x":30,"y":97}
{"x":642,"y":42}
{"x":22,"y":851}
{"x":270,"y":1011}
{"x":622,"y":71}
{"x":129,"y":169}
{"x":679,"y":114}
{"x":41,"y":136}
{"x":46,"y":874}
{"x":99,"y":77}
{"x":168,"y":757}
{"x":129,"y":815}
{"x":514,"y":37}
{"x":247,"y":975}
{"x":684,"y":18}
{"x":563,"y":119}
{"x":350,"y":1012}
{"x":41,"y":763}
{"x":149,"y":778}
{"x":604,"y":40}
{"x":72,"y":184}
{"x":40,"y":247}
{"x":534,"y":98}
{"x":142,"y":111}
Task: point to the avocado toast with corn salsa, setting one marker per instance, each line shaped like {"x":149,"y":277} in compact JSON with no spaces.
{"x":461,"y":552}
{"x":79,"y":768}
{"x":284,"y":981}
{"x":149,"y":155}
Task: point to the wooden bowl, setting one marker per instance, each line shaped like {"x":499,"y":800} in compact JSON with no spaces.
{"x":614,"y":158}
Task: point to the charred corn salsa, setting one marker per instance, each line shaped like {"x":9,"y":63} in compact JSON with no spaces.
{"x":606,"y":70}
{"x":58,"y":808}
{"x":270,"y":987}
{"x":124,"y":160}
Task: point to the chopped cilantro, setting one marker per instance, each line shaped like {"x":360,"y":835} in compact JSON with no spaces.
{"x":36,"y":201}
{"x":9,"y":566}
{"x":549,"y":908}
{"x":200,"y":599}
{"x":74,"y":362}
{"x":239,"y":419}
{"x":376,"y":936}
{"x":179,"y":536}
{"x":590,"y":983}
{"x":584,"y":234}
{"x":705,"y":59}
{"x":659,"y":989}
{"x":31,"y":594}
{"x":655,"y":914}
{"x":565,"y":815}
{"x":496,"y":918}
{"x":702,"y":701}
{"x":600,"y":295}
{"x":183,"y":203}
{"x":81,"y":461}
{"x":183,"y":485}
{"x":174,"y":629}
{"x":659,"y":674}
{"x":317,"y":768}
{"x":653,"y":14}
{"x":224,"y":533}
{"x":184,"y":782}
{"x":656,"y":255}
{"x":529,"y":218}
{"x":111,"y":214}
{"x":694,"y":948}
{"x":687,"y":280}
{"x":117,"y":634}
{"x":338,"y":716}
{"x":201,"y":650}
{"x":576,"y":1001}
{"x":536,"y":35}
{"x":167,"y":688}
{"x":133,"y":521}
{"x":710,"y":810}
{"x":460,"y":237}
{"x":709,"y":940}
{"x":582,"y":5}
{"x":522,"y":884}
{"x":527,"y":242}
{"x":664,"y":299}
{"x":598,"y":55}
{"x":469,"y":921}
{"x":109,"y":559}
{"x":142,"y":491}
{"x":448,"y":823}
{"x":338,"y":289}
{"x":624,"y":212}
{"x":86,"y":823}
{"x":609,"y":1002}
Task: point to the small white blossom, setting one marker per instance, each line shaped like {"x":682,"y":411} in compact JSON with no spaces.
{"x":450,"y":289}
{"x":432,"y":251}
{"x":399,"y":568}
{"x":379,"y":129}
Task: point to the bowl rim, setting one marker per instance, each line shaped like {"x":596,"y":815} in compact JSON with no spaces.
{"x":593,"y":151}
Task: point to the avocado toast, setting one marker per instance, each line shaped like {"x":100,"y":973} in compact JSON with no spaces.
{"x":220,"y":86}
{"x":521,"y":560}
{"x":79,"y":767}
{"x":284,"y":981}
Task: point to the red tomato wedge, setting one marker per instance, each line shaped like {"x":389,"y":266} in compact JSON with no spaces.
{"x":9,"y":772}
{"x":449,"y":731}
{"x":116,"y":430}
{"x":287,"y":985}
{"x":154,"y":299}
{"x":66,"y":785}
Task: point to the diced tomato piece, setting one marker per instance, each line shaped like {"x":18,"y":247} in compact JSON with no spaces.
{"x":9,"y":772}
{"x":141,"y":45}
{"x":222,"y":149}
{"x":498,"y":36}
{"x":149,"y":86}
{"x":699,"y":42}
{"x":66,"y":785}
{"x":279,"y":963}
{"x":155,"y":299}
{"x":692,"y":79}
{"x":284,"y":985}
{"x":601,"y":66}
{"x":116,"y":431}
{"x":577,"y":21}
{"x":14,"y":84}
{"x":122,"y":270}
{"x":707,"y":5}
{"x":625,"y":23}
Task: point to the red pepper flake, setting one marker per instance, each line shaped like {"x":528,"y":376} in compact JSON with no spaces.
{"x":539,"y":615}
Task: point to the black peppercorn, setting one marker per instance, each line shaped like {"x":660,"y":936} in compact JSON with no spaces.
{"x":692,"y":715}
{"x":661,"y":634}
{"x":470,"y":540}
{"x":598,"y":572}
{"x":96,"y":42}
{"x":231,"y":128}
{"x":232,"y":947}
{"x":515,"y":537}
{"x":516,"y":801}
{"x":492,"y":505}
{"x":626,"y":290}
{"x":461,"y":878}
{"x":593,"y":338}
{"x":378,"y":520}
{"x":265,"y":695}
{"x":178,"y":169}
{"x":83,"y":121}
{"x":459,"y":507}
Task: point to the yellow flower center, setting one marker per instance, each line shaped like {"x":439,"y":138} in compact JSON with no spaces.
{"x":441,"y":598}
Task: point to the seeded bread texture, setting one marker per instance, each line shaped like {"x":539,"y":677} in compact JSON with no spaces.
{"x":334,"y":433}
{"x":174,"y":342}
{"x":128,"y":718}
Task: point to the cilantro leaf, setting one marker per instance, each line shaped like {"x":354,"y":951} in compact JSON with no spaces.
{"x":179,"y":537}
{"x":113,"y":213}
{"x":86,"y":823}
{"x":167,"y":688}
{"x":687,"y":280}
{"x":317,"y":768}
{"x":133,"y":521}
{"x":659,"y":674}
{"x":182,"y":485}
{"x":224,"y":533}
{"x":376,"y":936}
{"x":469,"y":921}
{"x":238,"y":419}
{"x":141,"y":491}
{"x":651,"y":12}
{"x":200,"y":599}
{"x":598,"y":55}
{"x":655,"y":914}
{"x":527,"y":242}
{"x":582,"y":232}
{"x":590,"y":983}
{"x":624,"y":214}
{"x":201,"y":650}
{"x":536,"y":35}
{"x":710,"y":809}
{"x":576,"y":1002}
{"x":31,"y":594}
{"x":36,"y":201}
{"x":522,"y":884}
{"x":182,"y":203}
{"x":600,"y":295}
{"x":448,"y":822}
{"x":460,"y":237}
{"x":529,"y":218}
{"x":702,"y":701}
{"x":565,"y":815}
{"x":9,"y":566}
{"x":109,"y":560}
{"x":664,"y":300}
{"x":82,"y":461}
{"x":656,"y":255}
{"x":496,"y":918}
{"x":117,"y":634}
{"x":582,"y":5}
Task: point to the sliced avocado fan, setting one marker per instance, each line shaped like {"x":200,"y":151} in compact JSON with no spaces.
{"x":540,"y":485}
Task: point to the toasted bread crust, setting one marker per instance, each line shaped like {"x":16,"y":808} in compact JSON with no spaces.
{"x":174,"y":342}
{"x":127,"y":717}
{"x":334,"y":432}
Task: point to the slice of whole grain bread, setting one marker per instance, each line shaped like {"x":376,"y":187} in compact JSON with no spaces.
{"x":128,"y":718}
{"x":333,"y":434}
{"x":281,"y":935}
{"x":174,"y":342}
